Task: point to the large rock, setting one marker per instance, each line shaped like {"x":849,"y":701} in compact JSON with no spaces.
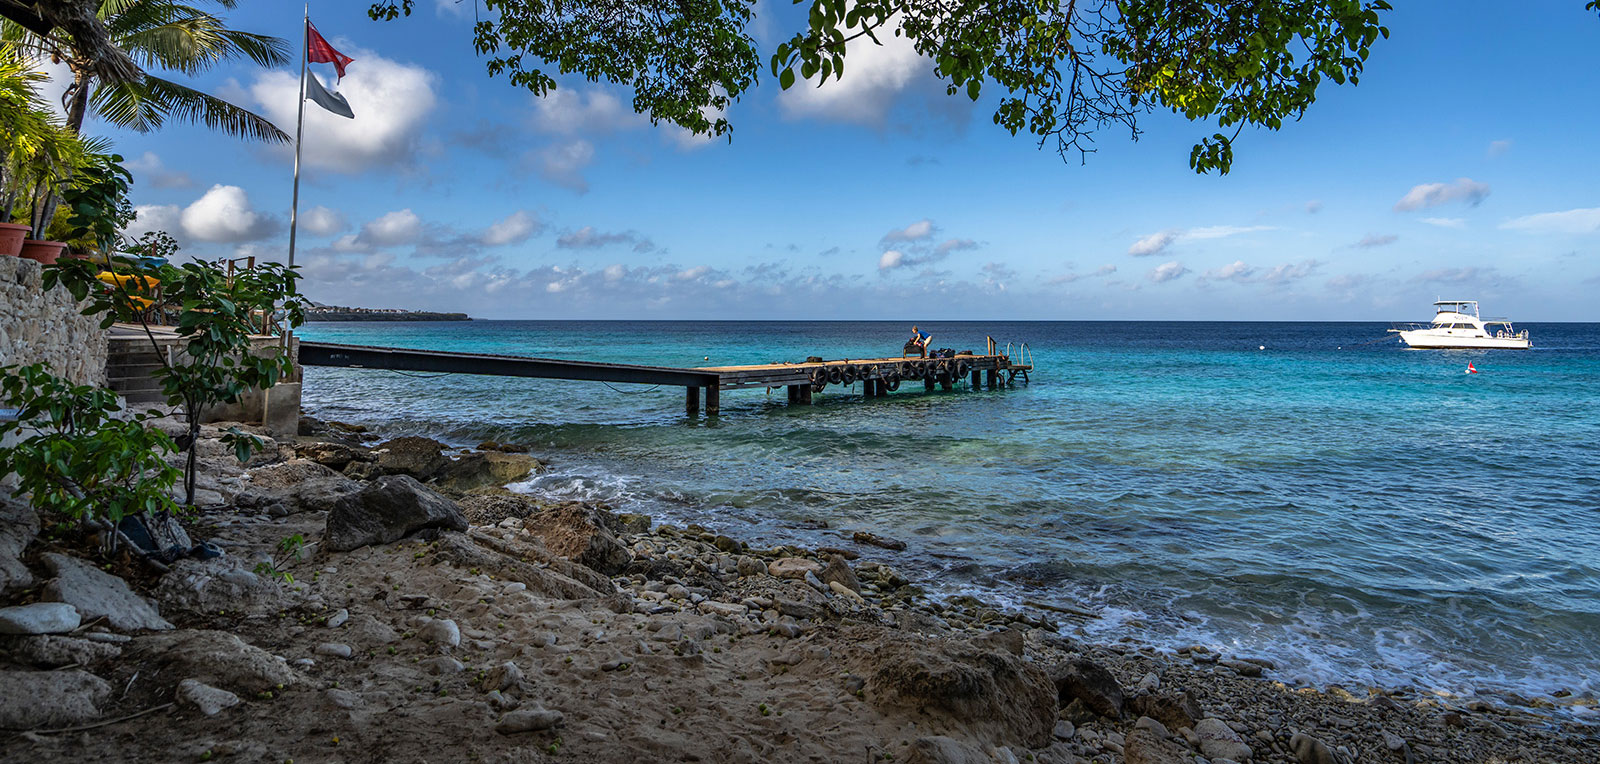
{"x":938,"y":749}
{"x":421,"y":458}
{"x":216,"y":658}
{"x":335,"y":456}
{"x":19,"y":524}
{"x":1219,"y":741}
{"x":579,"y":533}
{"x":1145,"y":746}
{"x":298,"y":485}
{"x":35,"y":699}
{"x":388,"y":510}
{"x":524,"y":560}
{"x":485,"y":470}
{"x":491,"y":508}
{"x":207,"y":699}
{"x":46,"y":651}
{"x":793,"y":567}
{"x":98,"y":594}
{"x":839,"y":571}
{"x":222,"y":583}
{"x":964,"y":688}
{"x":1173,"y":711}
{"x":1083,"y":679}
{"x":39,"y":618}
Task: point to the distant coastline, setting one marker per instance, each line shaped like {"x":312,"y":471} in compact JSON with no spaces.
{"x":341,"y":313}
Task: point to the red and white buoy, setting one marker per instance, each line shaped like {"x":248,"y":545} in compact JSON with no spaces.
{"x":1471,"y":369}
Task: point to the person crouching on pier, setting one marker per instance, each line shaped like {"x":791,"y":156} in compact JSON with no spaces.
{"x":918,"y":343}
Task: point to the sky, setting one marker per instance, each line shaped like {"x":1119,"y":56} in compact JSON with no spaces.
{"x":1463,"y":166}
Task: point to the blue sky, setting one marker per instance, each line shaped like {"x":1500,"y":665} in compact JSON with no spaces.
{"x":1463,"y":165}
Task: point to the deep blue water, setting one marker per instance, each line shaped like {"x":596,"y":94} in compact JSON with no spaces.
{"x":1356,"y":511}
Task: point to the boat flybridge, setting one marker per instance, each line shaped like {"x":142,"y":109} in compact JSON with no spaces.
{"x":1456,"y":324}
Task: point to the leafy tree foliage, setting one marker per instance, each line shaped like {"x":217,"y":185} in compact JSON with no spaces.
{"x":1065,"y":70}
{"x":218,"y":317}
{"x":79,"y":456}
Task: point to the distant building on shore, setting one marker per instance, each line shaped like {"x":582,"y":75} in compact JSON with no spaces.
{"x":320,"y":312}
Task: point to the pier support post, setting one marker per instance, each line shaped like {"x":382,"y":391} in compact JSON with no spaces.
{"x":691,"y":400}
{"x":805,"y":395}
{"x":946,"y":383}
{"x":994,"y":379}
{"x":794,"y":393}
{"x":977,"y":379}
{"x":927,"y":384}
{"x":713,"y":400}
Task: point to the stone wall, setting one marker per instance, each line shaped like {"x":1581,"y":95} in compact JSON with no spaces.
{"x":38,"y":326}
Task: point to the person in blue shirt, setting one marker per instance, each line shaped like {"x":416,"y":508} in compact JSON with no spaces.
{"x":919,"y":340}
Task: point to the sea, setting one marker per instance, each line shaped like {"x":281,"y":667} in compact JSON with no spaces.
{"x":1314,"y":494}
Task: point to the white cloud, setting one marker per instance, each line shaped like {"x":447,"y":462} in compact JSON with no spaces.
{"x":954,"y":245}
{"x":1376,"y":240}
{"x":322,"y":221}
{"x":149,"y":167}
{"x":1434,"y":194}
{"x":155,"y":217}
{"x":1221,"y":231}
{"x":566,"y":111}
{"x":1167,"y":272}
{"x":1579,"y":221}
{"x":890,"y":260}
{"x":1445,"y":222}
{"x":224,"y":214}
{"x":1288,"y":272}
{"x":917,"y":231}
{"x":1152,"y":244}
{"x":398,"y":227}
{"x":874,"y":75}
{"x":514,"y":229}
{"x":391,"y":101}
{"x":1237,"y":271}
{"x":1234,"y":271}
{"x":563,"y":163}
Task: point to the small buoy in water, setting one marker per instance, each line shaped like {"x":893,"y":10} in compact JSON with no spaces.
{"x":1263,"y":347}
{"x":1471,"y":369}
{"x":708,"y":358}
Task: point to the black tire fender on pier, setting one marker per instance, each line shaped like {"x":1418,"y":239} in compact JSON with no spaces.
{"x":835,"y":374}
{"x":850,"y":374}
{"x":891,"y":384}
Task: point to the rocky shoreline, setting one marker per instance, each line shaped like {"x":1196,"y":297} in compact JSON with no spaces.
{"x":427,"y":614}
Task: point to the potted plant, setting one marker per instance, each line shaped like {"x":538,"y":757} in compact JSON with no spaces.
{"x":94,"y":207}
{"x":22,"y":123}
{"x":40,"y":156}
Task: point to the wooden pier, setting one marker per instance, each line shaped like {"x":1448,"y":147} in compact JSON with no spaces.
{"x":877,"y":376}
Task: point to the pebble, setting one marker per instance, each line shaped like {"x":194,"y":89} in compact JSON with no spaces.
{"x":750,"y":566}
{"x":528,"y":720}
{"x":343,"y":698}
{"x":1064,"y":730}
{"x":816,"y":583}
{"x":443,"y":664}
{"x":333,"y":650}
{"x":209,"y":700}
{"x":726,"y":609}
{"x":338,"y":618}
{"x":442,"y":631}
{"x":844,"y":591}
{"x":1149,"y":683}
{"x":108,"y":637}
{"x":1309,"y":750}
{"x":1219,"y":741}
{"x":793,"y":567}
{"x":513,"y":587}
{"x":1244,"y":668}
{"x":1154,"y":727}
{"x":882,"y":542}
{"x":39,"y":618}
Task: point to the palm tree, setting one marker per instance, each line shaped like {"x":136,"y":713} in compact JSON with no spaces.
{"x":160,"y":35}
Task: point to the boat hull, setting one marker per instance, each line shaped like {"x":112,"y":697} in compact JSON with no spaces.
{"x":1424,"y":340}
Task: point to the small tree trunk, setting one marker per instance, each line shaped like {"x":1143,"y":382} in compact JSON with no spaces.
{"x":191,"y":464}
{"x":78,"y":107}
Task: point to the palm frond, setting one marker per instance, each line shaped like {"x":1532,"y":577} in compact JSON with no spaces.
{"x":147,"y":105}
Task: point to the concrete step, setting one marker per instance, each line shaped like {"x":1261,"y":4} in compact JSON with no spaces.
{"x":131,"y":384}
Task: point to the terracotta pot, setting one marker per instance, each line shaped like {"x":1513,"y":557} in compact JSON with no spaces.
{"x":45,"y":252}
{"x":11,"y":236}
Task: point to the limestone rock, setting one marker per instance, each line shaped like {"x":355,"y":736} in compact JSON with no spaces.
{"x":39,"y":618}
{"x":335,"y":456}
{"x":1173,"y":711}
{"x":1144,"y":746}
{"x":421,"y":458}
{"x":333,"y":650}
{"x":1309,"y":750}
{"x":46,"y":651}
{"x":1083,"y":679}
{"x":750,"y":566}
{"x":991,"y":694}
{"x":493,"y":508}
{"x":580,"y":534}
{"x":938,"y":749}
{"x":839,"y":571}
{"x":1219,"y":741}
{"x":216,"y":658}
{"x":19,"y":524}
{"x":528,"y":720}
{"x":485,"y":469}
{"x":221,"y":583}
{"x":388,"y":510}
{"x":883,"y":542}
{"x":97,"y":594}
{"x":33,"y":699}
{"x":441,"y":631}
{"x":793,"y":567}
{"x":209,"y":700}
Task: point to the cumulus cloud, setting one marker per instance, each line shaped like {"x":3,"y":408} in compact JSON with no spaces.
{"x":1579,"y":221}
{"x":149,"y":170}
{"x":1157,"y":242}
{"x":891,"y":259}
{"x":917,"y":231}
{"x":1239,"y":272}
{"x":1289,"y":272}
{"x":563,"y":163}
{"x":914,"y":245}
{"x":569,"y":111}
{"x":1376,"y":240}
{"x":955,"y":245}
{"x":515,"y":228}
{"x":874,"y":77}
{"x":391,"y":229}
{"x":391,"y":101}
{"x":322,"y":221}
{"x":1234,"y":271}
{"x":224,"y":214}
{"x":588,"y":237}
{"x":155,"y":217}
{"x":1167,"y":272}
{"x":1434,"y":194}
{"x":1445,"y":222}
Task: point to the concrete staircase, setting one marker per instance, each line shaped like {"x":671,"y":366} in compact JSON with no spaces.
{"x":130,"y":360}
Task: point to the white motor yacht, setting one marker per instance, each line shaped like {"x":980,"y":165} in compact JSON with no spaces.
{"x":1456,"y":324}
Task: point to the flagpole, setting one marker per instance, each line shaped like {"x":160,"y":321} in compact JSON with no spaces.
{"x":299,"y":130}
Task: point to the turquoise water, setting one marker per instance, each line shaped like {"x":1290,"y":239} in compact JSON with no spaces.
{"x":1358,"y":512}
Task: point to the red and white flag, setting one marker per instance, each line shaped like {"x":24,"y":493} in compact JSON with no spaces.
{"x":1471,"y":369}
{"x":318,"y":51}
